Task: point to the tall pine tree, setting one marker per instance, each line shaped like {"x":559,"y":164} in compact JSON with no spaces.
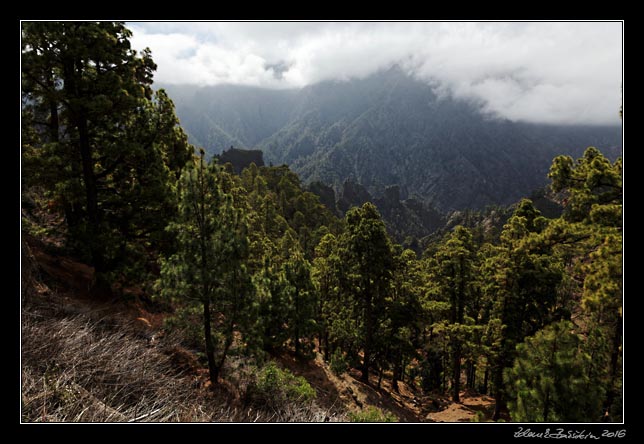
{"x":523,"y":280}
{"x":366,"y":252}
{"x":454,"y":275}
{"x":209,"y":266}
{"x":108,"y":151}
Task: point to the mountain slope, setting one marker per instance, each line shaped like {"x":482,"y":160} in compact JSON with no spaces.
{"x":222,"y":116}
{"x":388,"y":129}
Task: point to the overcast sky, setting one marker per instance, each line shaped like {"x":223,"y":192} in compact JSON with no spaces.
{"x":539,"y":72}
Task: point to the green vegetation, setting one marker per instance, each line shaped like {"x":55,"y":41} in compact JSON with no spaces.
{"x":548,"y":382}
{"x":209,"y":266}
{"x":372,"y":414}
{"x":248,"y":265}
{"x":99,"y":144}
{"x":274,"y":386}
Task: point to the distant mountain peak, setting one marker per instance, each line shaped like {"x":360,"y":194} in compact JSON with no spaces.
{"x":387,"y":129}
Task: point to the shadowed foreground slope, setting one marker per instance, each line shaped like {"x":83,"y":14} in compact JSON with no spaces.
{"x":85,"y":360}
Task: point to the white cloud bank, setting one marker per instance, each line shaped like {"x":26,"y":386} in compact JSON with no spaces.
{"x":532,"y":71}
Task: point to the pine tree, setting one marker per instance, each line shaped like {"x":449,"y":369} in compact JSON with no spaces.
{"x":110,"y":149}
{"x":365,"y":251}
{"x":270,"y":282}
{"x":592,"y":187}
{"x":326,"y":266}
{"x":403,"y":313}
{"x":548,"y":381}
{"x":454,"y":276}
{"x":602,"y":297}
{"x":300,"y":296}
{"x":209,"y":266}
{"x":592,"y":194}
{"x":523,"y":279}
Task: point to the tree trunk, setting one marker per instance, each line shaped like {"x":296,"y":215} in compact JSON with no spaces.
{"x":296,"y":332}
{"x":486,"y":375}
{"x":205,"y":294}
{"x":502,"y":359}
{"x":444,"y":369}
{"x":91,"y":195}
{"x":614,"y":361}
{"x":54,"y":122}
{"x":401,"y":375}
{"x":471,"y":374}
{"x":546,"y":406}
{"x":79,"y":120}
{"x":497,"y":380}
{"x":456,"y":372}
{"x":498,"y":404}
{"x":210,"y":348}
{"x":230,"y":330}
{"x":71,"y":216}
{"x":322,"y":332}
{"x":224,"y":353}
{"x":499,"y":399}
{"x":365,"y":366}
{"x":73,"y":208}
{"x":368,"y":338}
{"x":396,"y":376}
{"x":326,"y":346}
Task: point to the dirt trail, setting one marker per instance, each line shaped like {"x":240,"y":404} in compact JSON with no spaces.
{"x":473,"y":406}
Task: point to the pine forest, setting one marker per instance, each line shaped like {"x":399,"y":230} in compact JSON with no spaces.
{"x":165,"y":278}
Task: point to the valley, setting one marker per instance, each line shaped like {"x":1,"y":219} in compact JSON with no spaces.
{"x":387,"y":129}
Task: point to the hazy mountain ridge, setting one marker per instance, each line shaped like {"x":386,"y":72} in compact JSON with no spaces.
{"x":387,"y":129}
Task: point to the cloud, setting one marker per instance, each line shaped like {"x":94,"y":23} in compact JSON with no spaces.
{"x":534,"y":71}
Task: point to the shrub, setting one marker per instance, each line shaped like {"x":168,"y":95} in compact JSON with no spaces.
{"x":338,"y":362}
{"x":478,"y":417}
{"x":372,"y":414}
{"x":276,"y":387}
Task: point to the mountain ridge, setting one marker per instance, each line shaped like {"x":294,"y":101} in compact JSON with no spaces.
{"x":385,"y":130}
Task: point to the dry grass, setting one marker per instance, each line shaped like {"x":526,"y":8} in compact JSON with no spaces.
{"x":74,"y":370}
{"x":78,"y":369}
{"x":84,"y":361}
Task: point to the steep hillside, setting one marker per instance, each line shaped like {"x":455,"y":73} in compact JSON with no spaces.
{"x":95,"y":360}
{"x":223,"y":116}
{"x":99,"y":360}
{"x":387,"y":129}
{"x":407,"y":219}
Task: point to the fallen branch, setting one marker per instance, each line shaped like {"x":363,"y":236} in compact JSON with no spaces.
{"x":145,"y":416}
